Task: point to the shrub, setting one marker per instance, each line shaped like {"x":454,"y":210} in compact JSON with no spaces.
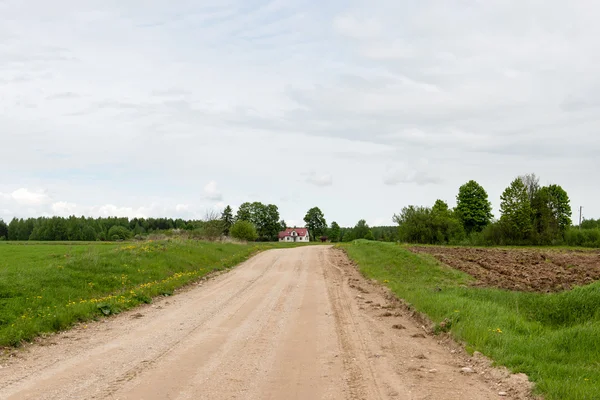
{"x":212,"y":230}
{"x":244,"y":230}
{"x":583,"y":237}
{"x":117,"y":232}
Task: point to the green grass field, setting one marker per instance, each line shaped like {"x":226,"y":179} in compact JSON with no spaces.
{"x":47,"y":287}
{"x":553,"y":338}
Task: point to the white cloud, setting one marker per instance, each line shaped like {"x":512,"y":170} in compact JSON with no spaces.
{"x":182,"y":207}
{"x":356,"y":28}
{"x":319,"y":179}
{"x":31,"y":198}
{"x":64,"y":209}
{"x":211,"y":191}
{"x":418,"y":173}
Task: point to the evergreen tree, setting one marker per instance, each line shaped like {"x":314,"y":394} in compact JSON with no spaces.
{"x":227,"y":220}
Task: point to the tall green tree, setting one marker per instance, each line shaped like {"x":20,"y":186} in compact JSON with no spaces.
{"x":227,"y":220}
{"x":264,"y":217}
{"x":515,"y":210}
{"x":3,"y":230}
{"x":445,"y":225}
{"x":560,"y":206}
{"x":552,"y":212}
{"x":244,"y":212}
{"x":14,"y":229}
{"x":361,"y":230}
{"x":316,"y":223}
{"x":334,"y":232}
{"x":271,"y":227}
{"x":473,"y":208}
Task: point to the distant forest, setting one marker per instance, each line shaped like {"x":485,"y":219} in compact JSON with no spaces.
{"x":114,"y":228}
{"x":529,"y":215}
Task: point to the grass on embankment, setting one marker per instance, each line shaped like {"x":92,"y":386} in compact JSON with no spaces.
{"x":47,"y":287}
{"x":553,"y":338}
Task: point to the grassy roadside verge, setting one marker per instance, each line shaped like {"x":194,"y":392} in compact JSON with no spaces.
{"x":553,"y":338}
{"x":49,"y":287}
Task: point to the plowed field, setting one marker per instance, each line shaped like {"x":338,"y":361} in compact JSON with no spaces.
{"x":521,"y":269}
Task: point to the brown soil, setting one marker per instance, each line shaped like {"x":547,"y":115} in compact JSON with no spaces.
{"x":521,"y":269}
{"x":288,"y":324}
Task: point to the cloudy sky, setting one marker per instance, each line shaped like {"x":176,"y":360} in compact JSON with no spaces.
{"x":157,"y":108}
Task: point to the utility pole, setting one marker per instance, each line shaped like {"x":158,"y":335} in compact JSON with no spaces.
{"x":580,"y":211}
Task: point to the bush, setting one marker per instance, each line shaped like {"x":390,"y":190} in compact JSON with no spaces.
{"x":435,"y":225}
{"x":583,"y":237}
{"x":212,"y":230}
{"x":117,"y":232}
{"x":243,"y":230}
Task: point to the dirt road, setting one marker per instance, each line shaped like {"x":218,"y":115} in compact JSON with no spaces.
{"x":287,"y":324}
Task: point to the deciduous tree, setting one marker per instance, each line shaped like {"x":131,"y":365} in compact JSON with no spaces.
{"x":3,"y":230}
{"x":315,"y":222}
{"x":264,"y":217}
{"x":473,"y":207}
{"x":552,"y":212}
{"x":515,"y":209}
{"x":361,"y":230}
{"x":334,"y":232}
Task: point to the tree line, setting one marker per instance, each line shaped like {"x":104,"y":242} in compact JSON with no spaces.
{"x":530,"y":214}
{"x":88,"y":229}
{"x":253,"y":221}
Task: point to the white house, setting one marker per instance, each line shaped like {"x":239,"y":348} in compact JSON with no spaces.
{"x":294,"y":235}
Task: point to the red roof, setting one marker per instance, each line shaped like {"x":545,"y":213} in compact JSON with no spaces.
{"x":288,"y":232}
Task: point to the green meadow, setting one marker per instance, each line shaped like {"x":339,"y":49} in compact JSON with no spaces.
{"x":49,"y":286}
